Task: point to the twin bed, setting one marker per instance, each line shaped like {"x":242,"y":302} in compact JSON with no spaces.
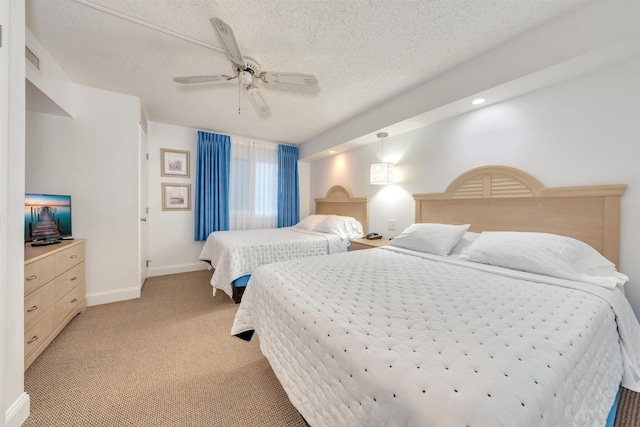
{"x":235,"y":254}
{"x":400,"y":336}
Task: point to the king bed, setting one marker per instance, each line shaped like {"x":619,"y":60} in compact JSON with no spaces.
{"x":233,"y":255}
{"x":500,"y":306}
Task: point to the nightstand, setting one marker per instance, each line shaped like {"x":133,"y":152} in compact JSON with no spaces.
{"x":359,"y":244}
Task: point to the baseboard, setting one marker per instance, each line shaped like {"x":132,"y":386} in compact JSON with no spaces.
{"x":18,"y":413}
{"x":106,"y":297}
{"x":178,"y":268}
{"x":124,"y":294}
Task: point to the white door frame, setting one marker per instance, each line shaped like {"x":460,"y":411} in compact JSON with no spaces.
{"x":143,"y":206}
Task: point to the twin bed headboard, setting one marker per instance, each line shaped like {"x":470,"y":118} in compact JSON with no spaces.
{"x":339,"y":201}
{"x":500,"y":198}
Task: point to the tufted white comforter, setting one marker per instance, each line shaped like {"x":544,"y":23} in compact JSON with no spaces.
{"x":382,"y":338}
{"x":234,"y":254}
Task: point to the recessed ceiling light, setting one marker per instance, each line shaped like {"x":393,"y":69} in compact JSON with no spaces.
{"x":332,"y":152}
{"x":478,"y":101}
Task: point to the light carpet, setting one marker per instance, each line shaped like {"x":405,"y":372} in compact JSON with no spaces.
{"x":166,"y":359}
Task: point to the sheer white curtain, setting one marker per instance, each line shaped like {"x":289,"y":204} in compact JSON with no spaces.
{"x":253,"y":185}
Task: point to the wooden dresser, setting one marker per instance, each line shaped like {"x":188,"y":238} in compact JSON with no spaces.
{"x":54,"y":292}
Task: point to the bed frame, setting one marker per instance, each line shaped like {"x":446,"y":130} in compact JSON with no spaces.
{"x":501,"y":198}
{"x":339,"y":201}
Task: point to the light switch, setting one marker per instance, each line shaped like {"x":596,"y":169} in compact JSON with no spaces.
{"x":391,"y":224}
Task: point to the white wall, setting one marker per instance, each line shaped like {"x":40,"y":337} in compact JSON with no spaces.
{"x":304,"y":183}
{"x":94,"y":157}
{"x":171,"y":245}
{"x":582,"y":132}
{"x":51,"y":80}
{"x":14,"y":402}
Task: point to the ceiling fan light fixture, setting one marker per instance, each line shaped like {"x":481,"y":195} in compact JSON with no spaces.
{"x":246,"y":77}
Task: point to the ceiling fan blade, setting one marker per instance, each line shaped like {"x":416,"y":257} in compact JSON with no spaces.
{"x":257,"y":100}
{"x":293,"y":79}
{"x":229,"y":41}
{"x":201,"y":79}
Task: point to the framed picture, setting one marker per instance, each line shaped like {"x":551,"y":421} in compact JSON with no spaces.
{"x":174,"y":163}
{"x":176,"y":197}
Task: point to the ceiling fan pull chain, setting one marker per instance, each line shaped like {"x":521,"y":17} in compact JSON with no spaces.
{"x":239,"y":84}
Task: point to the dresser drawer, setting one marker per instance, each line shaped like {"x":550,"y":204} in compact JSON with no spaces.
{"x":69,"y":303}
{"x":37,"y":274}
{"x":36,"y":303}
{"x":69,"y":257}
{"x":38,"y":333}
{"x":69,"y":280}
{"x":54,"y":291}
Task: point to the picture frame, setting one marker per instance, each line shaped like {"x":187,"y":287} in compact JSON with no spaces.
{"x":176,"y":197}
{"x":174,"y":163}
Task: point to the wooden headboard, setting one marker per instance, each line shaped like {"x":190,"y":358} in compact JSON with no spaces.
{"x":500,"y":198}
{"x":339,"y":201}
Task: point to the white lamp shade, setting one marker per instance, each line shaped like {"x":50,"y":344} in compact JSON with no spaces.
{"x":381,"y":173}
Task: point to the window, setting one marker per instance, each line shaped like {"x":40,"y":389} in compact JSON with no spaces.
{"x":253,"y":185}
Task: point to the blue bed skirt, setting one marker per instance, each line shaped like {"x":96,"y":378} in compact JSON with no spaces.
{"x":612,"y":413}
{"x":241,"y":282}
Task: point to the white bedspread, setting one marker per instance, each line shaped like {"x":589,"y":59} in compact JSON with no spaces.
{"x":381,"y":338}
{"x":234,"y":254}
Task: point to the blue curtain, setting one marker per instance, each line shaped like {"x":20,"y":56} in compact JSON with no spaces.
{"x":212,"y":184}
{"x":288,"y":189}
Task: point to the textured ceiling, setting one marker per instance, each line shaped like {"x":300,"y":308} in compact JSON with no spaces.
{"x":362,"y":52}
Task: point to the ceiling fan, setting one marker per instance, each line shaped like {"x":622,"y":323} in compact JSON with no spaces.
{"x":247,"y":68}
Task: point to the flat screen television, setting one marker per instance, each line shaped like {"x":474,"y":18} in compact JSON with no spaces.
{"x":47,"y":217}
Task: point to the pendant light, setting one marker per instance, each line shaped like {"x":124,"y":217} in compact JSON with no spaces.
{"x":381,"y":173}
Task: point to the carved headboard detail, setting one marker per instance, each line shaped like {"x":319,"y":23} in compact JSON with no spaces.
{"x":340,"y":201}
{"x":338,"y":193}
{"x":494,"y":182}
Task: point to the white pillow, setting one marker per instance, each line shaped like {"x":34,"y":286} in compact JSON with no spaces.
{"x":310,"y":222}
{"x":460,"y":249}
{"x":437,"y":239}
{"x":544,"y":253}
{"x":344,"y":226}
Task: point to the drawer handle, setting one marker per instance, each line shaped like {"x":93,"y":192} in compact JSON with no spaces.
{"x":34,"y":308}
{"x":32,"y":277}
{"x":74,"y":300}
{"x":73,"y":256}
{"x":73,"y":278}
{"x":35,"y":338}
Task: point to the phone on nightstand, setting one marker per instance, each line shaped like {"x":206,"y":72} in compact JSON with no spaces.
{"x":373,"y":236}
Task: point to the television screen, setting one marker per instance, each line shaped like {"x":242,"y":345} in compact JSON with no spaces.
{"x":46,"y":217}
